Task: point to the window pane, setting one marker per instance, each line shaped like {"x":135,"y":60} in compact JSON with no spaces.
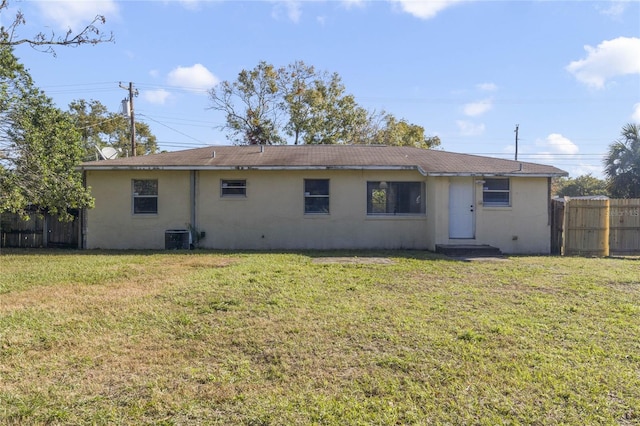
{"x":316,"y":186}
{"x":316,"y":205}
{"x":395,"y":198}
{"x":378,"y":201}
{"x":496,"y":198}
{"x":143,"y":205}
{"x":496,"y":185}
{"x":234,"y":187}
{"x":145,"y":187}
{"x":316,"y":196}
{"x":496,"y":192}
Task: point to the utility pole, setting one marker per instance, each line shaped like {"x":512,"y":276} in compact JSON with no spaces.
{"x":132,"y":94}
{"x":517,"y":125}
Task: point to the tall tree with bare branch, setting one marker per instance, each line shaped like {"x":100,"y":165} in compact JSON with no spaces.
{"x":47,"y":42}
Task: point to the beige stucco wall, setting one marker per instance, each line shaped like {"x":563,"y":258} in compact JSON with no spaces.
{"x":522,"y":228}
{"x":271,"y":216}
{"x":112,"y":224}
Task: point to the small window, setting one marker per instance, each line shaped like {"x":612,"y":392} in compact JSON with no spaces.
{"x":390,"y":198}
{"x":316,"y":196}
{"x":145,"y":196}
{"x":233,"y":188}
{"x":495,"y":192}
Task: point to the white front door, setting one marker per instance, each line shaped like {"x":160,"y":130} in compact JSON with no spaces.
{"x":461,"y":208}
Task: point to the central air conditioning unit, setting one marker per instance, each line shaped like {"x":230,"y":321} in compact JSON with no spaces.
{"x":177,"y":239}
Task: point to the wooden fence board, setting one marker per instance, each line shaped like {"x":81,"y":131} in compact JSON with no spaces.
{"x":624,"y":226}
{"x":586,"y":227}
{"x":39,"y":230}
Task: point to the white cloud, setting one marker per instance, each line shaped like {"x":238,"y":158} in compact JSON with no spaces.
{"x":555,"y":143}
{"x":190,"y":4}
{"x":348,"y":4}
{"x":425,"y":9}
{"x":615,"y":9}
{"x":475,"y":109}
{"x":468,"y":128}
{"x":487,"y":87}
{"x":635,"y":116}
{"x":610,"y":58}
{"x":196,"y":78}
{"x":158,"y":97}
{"x":75,"y":15}
{"x":292,"y":10}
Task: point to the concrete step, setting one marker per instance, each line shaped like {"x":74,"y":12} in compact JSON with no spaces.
{"x":467,"y":250}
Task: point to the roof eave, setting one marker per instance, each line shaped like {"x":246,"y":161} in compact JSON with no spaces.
{"x":240,"y":167}
{"x":494,"y":174}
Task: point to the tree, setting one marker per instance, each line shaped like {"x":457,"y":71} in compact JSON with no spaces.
{"x":296,"y":83}
{"x":308,"y":106}
{"x":622,"y":164}
{"x":90,"y":34}
{"x":581,"y":186}
{"x":256,"y":120}
{"x":396,"y":132}
{"x":335,"y":116}
{"x":318,"y":110}
{"x":39,"y":147}
{"x":99,"y":128}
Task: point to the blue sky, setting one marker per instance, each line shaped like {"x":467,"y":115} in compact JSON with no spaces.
{"x":566,"y":72}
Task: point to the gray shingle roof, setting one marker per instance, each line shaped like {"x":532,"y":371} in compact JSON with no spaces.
{"x":426,"y":161}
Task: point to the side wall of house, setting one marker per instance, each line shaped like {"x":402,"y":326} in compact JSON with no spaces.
{"x":111,"y":224}
{"x":525,"y":226}
{"x":272,"y":216}
{"x":521,"y":228}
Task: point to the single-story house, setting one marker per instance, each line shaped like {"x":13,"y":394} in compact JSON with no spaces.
{"x":318,"y":197}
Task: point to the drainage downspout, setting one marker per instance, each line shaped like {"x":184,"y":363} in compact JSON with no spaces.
{"x":82,"y":243}
{"x":193,"y":175}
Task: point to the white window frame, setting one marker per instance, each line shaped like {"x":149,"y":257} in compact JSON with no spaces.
{"x":136,"y":196}
{"x":308,"y":196}
{"x":391,"y":189}
{"x":491,"y":187}
{"x":233,"y":184}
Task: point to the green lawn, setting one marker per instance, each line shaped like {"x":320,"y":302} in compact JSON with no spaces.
{"x":401,"y":337}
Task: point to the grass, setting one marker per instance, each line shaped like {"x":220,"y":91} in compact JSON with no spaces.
{"x":280,"y":338}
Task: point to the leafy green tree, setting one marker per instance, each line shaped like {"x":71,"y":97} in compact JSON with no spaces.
{"x":622,"y":164}
{"x":39,"y":147}
{"x":268,"y":104}
{"x":581,"y":186}
{"x":394,"y":132}
{"x":334,"y":117}
{"x":255,"y":121}
{"x":99,"y":128}
{"x":296,"y":83}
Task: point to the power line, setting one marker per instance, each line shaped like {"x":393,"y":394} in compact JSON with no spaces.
{"x":171,"y":128}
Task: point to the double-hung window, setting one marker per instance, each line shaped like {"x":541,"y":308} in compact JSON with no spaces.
{"x":495,"y":192}
{"x":145,"y":196}
{"x":392,"y":198}
{"x":233,"y":188}
{"x":316,"y":196}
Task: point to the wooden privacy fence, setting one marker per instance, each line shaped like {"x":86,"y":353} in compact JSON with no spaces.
{"x":39,"y":230}
{"x":595,"y":227}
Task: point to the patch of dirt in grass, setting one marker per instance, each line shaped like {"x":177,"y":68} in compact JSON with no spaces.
{"x":139,"y":283}
{"x":355,"y":260}
{"x":206,"y":262}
